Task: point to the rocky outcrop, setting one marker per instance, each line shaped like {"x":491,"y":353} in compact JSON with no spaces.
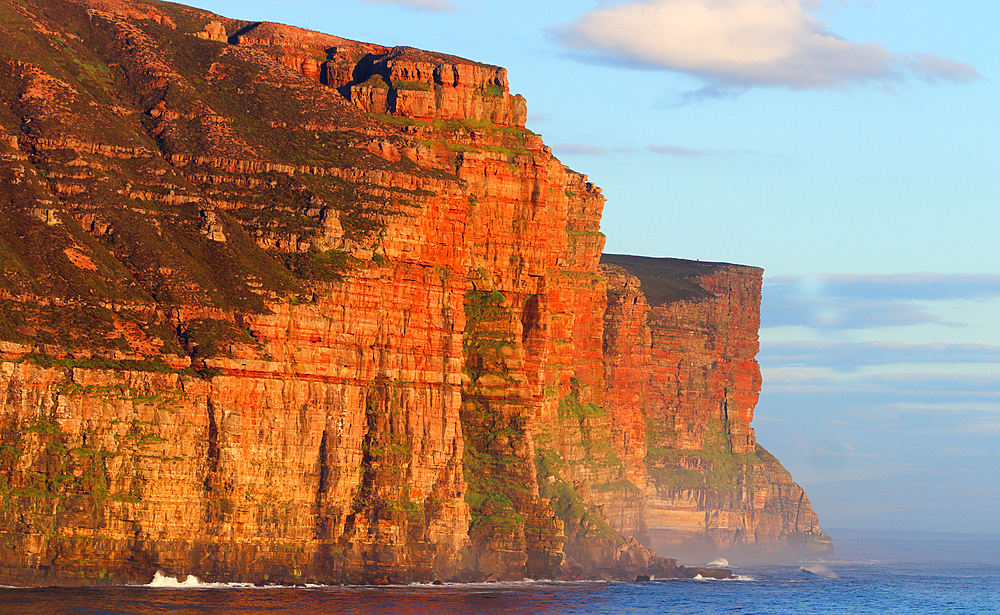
{"x":277,"y":306}
{"x":681,"y":338}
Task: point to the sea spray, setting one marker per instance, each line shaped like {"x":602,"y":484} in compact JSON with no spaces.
{"x":162,"y":580}
{"x":819,"y":570}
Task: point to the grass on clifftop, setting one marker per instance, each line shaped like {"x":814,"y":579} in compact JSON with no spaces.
{"x":666,"y":280}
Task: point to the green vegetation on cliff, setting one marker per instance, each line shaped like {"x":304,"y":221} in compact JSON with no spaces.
{"x":582,"y":432}
{"x":714,"y":469}
{"x":495,"y":431}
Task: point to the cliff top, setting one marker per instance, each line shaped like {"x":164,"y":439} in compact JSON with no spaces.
{"x":666,"y":280}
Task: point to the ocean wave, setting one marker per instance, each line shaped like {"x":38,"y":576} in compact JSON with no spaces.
{"x":735,"y":577}
{"x":162,"y":581}
{"x":820,"y":570}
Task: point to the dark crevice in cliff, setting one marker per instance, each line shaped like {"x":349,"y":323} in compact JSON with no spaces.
{"x":322,"y":489}
{"x":362,"y":502}
{"x":798,"y":510}
{"x":531,"y":318}
{"x":383,"y":489}
{"x":364,"y":69}
{"x":234,"y":38}
{"x":324,"y":466}
{"x":212,"y":455}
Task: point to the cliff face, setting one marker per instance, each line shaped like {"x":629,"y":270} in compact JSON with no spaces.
{"x":276,"y":305}
{"x":682,"y":349}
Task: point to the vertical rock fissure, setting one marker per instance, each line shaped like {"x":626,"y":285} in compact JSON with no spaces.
{"x":322,"y":489}
{"x":212,"y":455}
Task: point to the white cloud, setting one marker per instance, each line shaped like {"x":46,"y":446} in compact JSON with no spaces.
{"x":759,"y":418}
{"x":737,"y":44}
{"x":890,"y":286}
{"x":684,"y":152}
{"x":430,"y":6}
{"x":933,"y":68}
{"x":851,"y":356}
{"x":840,"y":302}
{"x":579,"y":149}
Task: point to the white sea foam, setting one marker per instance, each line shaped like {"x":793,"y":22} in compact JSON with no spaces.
{"x":161,"y":580}
{"x":719,"y":563}
{"x":735,"y":577}
{"x":821,"y":570}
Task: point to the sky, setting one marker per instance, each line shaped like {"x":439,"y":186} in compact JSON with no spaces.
{"x":851,"y":148}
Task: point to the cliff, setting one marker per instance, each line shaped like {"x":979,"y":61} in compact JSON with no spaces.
{"x":681,"y":341}
{"x":281,"y":306}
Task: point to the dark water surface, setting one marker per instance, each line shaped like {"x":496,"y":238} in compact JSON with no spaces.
{"x":936,"y":575}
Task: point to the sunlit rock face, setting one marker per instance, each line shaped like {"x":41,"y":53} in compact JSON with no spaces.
{"x":276,"y":306}
{"x":681,"y":340}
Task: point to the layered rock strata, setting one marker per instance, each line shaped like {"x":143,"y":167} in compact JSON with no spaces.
{"x":680,"y":345}
{"x":280,"y":306}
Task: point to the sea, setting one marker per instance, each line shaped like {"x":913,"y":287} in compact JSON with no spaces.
{"x":869,"y":572}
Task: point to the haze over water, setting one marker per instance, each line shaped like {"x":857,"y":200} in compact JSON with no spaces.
{"x":905,"y":573}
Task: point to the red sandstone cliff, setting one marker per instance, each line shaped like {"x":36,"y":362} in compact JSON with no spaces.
{"x":276,"y":305}
{"x":683,"y":386}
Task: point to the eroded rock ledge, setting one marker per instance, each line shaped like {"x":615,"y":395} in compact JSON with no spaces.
{"x":277,"y":306}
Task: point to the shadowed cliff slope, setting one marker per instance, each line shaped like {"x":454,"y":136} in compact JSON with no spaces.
{"x":281,"y":306}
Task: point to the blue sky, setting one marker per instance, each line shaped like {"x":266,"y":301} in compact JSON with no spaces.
{"x":849,"y":147}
